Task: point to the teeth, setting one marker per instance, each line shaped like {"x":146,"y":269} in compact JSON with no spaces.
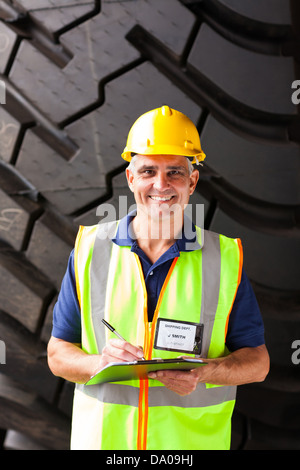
{"x":159,"y":198}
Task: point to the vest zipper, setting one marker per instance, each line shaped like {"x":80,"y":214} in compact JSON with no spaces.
{"x":148,"y":346}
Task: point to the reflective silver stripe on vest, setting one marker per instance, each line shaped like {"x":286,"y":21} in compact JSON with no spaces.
{"x":160,"y":396}
{"x":211,"y":272}
{"x":99,"y":276}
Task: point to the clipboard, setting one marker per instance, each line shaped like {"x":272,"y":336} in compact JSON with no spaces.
{"x":119,"y":371}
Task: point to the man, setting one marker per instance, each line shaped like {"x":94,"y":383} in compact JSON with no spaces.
{"x":148,"y":269}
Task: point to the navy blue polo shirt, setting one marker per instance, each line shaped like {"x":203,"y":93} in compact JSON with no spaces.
{"x":245,"y":327}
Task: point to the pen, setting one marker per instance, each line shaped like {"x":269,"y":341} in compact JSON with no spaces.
{"x":111,"y":328}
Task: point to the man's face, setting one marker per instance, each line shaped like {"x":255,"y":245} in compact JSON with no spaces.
{"x":161,"y":184}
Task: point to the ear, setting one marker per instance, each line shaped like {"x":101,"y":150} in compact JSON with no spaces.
{"x":130,"y":178}
{"x":194,"y":177}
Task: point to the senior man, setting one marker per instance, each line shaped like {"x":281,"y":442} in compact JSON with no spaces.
{"x":156,"y":266}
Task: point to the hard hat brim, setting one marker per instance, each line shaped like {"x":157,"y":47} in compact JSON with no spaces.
{"x":193,"y":156}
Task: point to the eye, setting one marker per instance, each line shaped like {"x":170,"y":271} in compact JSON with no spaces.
{"x":176,"y":173}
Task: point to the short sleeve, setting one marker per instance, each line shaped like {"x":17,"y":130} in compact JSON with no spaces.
{"x":66,"y":312}
{"x":245,"y":326}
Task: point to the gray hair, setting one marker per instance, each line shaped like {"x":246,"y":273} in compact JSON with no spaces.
{"x":131,"y":165}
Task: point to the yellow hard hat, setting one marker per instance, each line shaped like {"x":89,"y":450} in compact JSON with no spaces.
{"x":164,"y":131}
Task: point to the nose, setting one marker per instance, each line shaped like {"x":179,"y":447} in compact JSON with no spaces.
{"x":161,"y":182}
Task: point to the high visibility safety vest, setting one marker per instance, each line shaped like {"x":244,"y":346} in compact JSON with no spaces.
{"x":200,"y":287}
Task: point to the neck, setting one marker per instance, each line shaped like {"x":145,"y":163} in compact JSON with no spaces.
{"x":155,"y":236}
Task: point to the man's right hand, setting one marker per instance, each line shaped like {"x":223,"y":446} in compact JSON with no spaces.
{"x":69,"y":361}
{"x":117,"y":350}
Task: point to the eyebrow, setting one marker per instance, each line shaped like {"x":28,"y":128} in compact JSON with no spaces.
{"x":155,"y":167}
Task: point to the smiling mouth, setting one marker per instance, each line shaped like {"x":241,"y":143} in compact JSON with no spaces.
{"x":161,"y":198}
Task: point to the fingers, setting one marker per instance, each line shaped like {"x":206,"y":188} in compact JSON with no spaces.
{"x":117,"y":350}
{"x":182,"y":383}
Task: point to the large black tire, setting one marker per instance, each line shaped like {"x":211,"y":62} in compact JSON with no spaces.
{"x":77,"y":75}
